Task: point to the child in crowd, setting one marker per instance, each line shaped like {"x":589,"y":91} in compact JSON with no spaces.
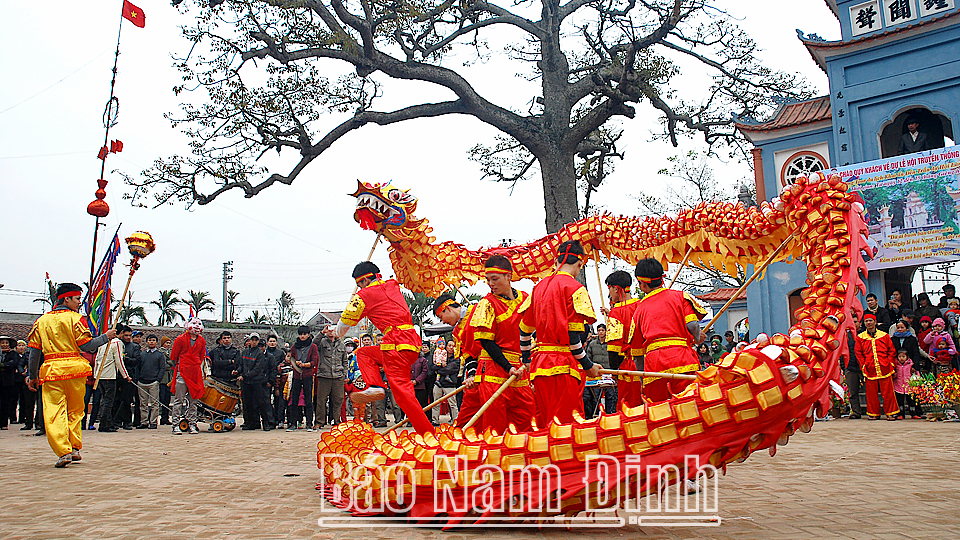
{"x":942,"y":354}
{"x":901,"y":382}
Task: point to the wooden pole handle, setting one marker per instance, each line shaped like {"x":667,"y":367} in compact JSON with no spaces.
{"x":440,"y":400}
{"x":683,"y":263}
{"x":502,"y":389}
{"x":682,"y":376}
{"x":756,"y":272}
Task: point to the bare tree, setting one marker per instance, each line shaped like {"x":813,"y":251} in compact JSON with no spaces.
{"x":692,"y":182}
{"x":267,"y":67}
{"x":286,"y":315}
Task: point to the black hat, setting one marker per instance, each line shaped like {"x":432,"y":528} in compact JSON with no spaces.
{"x":303,"y":330}
{"x":65,"y":290}
{"x":912,"y":119}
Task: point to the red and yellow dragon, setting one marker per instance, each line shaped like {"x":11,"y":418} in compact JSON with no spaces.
{"x":753,"y":399}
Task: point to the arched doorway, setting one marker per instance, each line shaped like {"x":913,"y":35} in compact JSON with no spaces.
{"x":794,"y":302}
{"x":936,"y":126}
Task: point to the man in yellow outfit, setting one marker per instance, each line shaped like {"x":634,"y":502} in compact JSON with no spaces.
{"x":56,"y":340}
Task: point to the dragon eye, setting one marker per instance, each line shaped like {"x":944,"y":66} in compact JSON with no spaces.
{"x":396,"y":195}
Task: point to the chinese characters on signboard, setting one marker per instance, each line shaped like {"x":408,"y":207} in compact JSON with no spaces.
{"x":875,"y":15}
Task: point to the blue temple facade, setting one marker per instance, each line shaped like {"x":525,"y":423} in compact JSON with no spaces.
{"x":896,"y":59}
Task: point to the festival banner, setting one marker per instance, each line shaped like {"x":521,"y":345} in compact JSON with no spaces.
{"x":912,"y":203}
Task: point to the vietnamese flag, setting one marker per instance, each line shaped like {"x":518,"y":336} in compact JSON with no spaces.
{"x":134,"y":14}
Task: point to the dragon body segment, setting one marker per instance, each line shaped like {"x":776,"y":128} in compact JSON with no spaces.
{"x":720,"y":235}
{"x":754,"y":398}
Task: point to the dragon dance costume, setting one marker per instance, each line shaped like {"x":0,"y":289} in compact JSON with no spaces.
{"x":383,"y":303}
{"x":496,"y":325}
{"x":658,"y":332}
{"x":560,"y":305}
{"x":467,"y":350}
{"x":629,"y":387}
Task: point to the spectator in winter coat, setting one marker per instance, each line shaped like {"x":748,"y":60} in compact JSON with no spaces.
{"x":305,"y":358}
{"x":926,"y":309}
{"x":153,"y":366}
{"x":418,"y":374}
{"x":334,"y":362}
{"x":225,"y":360}
{"x":257,"y":411}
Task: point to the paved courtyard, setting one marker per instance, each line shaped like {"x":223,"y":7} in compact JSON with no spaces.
{"x":846,"y":479}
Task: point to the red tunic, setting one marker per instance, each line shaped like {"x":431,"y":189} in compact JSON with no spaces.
{"x":383,"y":303}
{"x":629,"y":387}
{"x":658,"y":331}
{"x":498,"y":319}
{"x":618,"y":324}
{"x":187,"y":362}
{"x":876,"y":355}
{"x":559,"y":304}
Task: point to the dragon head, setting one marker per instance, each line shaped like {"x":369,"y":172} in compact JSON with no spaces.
{"x":382,"y":206}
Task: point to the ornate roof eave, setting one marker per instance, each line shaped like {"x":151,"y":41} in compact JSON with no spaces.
{"x":790,"y":117}
{"x":820,"y":49}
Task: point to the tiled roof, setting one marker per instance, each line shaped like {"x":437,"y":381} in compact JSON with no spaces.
{"x":815,"y":45}
{"x":793,"y":114}
{"x":722,"y":295}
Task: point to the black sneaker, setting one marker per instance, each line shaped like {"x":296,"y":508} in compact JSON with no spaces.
{"x":127,"y":427}
{"x":107,"y":429}
{"x":854,"y":416}
{"x":26,"y":428}
{"x":143,"y":426}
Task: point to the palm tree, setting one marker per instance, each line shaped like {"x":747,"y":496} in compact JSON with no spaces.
{"x":420,"y":306}
{"x":258,"y":318}
{"x":231,"y":301}
{"x":200,"y":301}
{"x":168,"y":314}
{"x":127,"y":313}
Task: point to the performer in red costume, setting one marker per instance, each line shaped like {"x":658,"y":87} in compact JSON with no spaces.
{"x":664,"y":329}
{"x":188,"y":354}
{"x":558,"y":311}
{"x":448,"y":310}
{"x":496,"y":326}
{"x":876,"y":355}
{"x":629,"y":387}
{"x":382,"y":302}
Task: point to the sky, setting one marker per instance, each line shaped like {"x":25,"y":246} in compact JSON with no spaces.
{"x":300,"y":238}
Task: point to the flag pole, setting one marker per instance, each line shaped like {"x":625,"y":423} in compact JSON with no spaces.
{"x":109,"y":118}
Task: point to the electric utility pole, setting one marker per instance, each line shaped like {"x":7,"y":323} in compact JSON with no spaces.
{"x":227,"y":276}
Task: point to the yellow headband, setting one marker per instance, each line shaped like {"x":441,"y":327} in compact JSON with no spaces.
{"x":495,"y":270}
{"x":649,"y":279}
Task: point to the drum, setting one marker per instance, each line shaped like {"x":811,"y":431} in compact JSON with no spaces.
{"x":219,"y":396}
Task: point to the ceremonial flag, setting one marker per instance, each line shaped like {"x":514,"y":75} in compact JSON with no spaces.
{"x":97,"y":301}
{"x":134,"y":14}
